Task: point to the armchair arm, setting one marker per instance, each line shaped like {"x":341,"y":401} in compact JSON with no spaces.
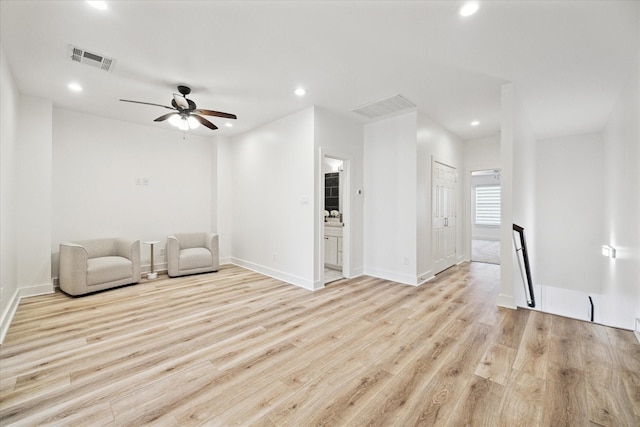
{"x":73,"y":268}
{"x":126,"y":247}
{"x":173,"y":253}
{"x":130,"y":249}
{"x":211,"y":240}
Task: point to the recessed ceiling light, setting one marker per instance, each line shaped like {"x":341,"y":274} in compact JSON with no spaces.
{"x":100,"y":5}
{"x":229,"y":125}
{"x":300,"y":91}
{"x":74,"y":87}
{"x":475,"y":123}
{"x":469,"y":8}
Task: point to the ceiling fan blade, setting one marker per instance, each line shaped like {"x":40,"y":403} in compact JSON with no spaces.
{"x":147,"y":103}
{"x":181,"y":101}
{"x":205,"y":122}
{"x":165,"y":117}
{"x":216,"y":114}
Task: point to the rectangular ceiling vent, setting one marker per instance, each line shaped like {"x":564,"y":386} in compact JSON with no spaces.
{"x":385,"y":107}
{"x":95,"y":60}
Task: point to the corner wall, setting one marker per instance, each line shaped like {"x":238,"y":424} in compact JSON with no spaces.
{"x":518,"y":160}
{"x":478,"y":154}
{"x":621,"y":224}
{"x":434,"y":142}
{"x":118,"y":179}
{"x":25,"y":201}
{"x":340,"y":138}
{"x":8,"y":195}
{"x":390,"y":205}
{"x":273,"y":203}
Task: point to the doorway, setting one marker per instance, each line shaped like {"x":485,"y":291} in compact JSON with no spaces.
{"x":335,"y":180}
{"x":485,"y":216}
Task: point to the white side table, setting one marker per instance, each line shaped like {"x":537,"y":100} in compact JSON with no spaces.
{"x":152,"y":274}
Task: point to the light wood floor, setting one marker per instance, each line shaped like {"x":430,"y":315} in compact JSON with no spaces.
{"x":238,"y":348}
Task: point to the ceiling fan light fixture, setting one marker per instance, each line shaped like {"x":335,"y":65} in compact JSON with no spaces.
{"x":192,"y":122}
{"x":183,"y":124}
{"x":469,"y":8}
{"x":100,"y":5}
{"x":175,"y":120}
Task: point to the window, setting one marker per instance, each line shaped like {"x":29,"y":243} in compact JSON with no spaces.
{"x":488,"y":205}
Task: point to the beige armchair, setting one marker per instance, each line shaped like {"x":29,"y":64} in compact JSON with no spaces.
{"x":191,"y":253}
{"x":93,"y":265}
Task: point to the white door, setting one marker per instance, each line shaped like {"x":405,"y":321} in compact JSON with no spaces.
{"x":444,"y":213}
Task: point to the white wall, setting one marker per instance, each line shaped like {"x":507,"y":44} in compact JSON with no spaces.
{"x":223,"y":181}
{"x":398,"y":155}
{"x":34,"y":194}
{"x":96,"y":165}
{"x":518,"y":177}
{"x":340,"y":138}
{"x":273,"y":174}
{"x":390,"y":204}
{"x":25,"y":200}
{"x":621,"y":223}
{"x":478,"y":154}
{"x":435,"y":143}
{"x":569,"y":192}
{"x":8,"y":194}
{"x":569,"y":189}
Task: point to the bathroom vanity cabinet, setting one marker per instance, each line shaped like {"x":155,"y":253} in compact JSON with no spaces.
{"x":333,"y":245}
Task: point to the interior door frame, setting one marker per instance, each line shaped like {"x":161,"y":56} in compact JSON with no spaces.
{"x":345,"y":198}
{"x":467,"y":201}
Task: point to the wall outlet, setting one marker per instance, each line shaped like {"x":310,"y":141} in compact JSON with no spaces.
{"x":162,"y":250}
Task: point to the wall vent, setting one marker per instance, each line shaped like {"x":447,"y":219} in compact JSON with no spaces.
{"x":95,"y":60}
{"x":385,"y":107}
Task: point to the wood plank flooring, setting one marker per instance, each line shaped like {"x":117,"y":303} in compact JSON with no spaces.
{"x":238,"y":348}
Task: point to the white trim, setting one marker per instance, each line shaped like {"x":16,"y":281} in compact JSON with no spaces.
{"x":392,"y":276}
{"x":7,"y":316}
{"x":14,"y":302}
{"x":637,"y":330}
{"x":158,"y":267}
{"x":276,"y":274}
{"x":506,"y":301}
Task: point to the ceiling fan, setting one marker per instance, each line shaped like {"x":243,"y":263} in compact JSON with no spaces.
{"x":185,"y":115}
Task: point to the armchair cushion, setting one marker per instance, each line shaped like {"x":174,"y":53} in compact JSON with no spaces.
{"x":108,"y":269}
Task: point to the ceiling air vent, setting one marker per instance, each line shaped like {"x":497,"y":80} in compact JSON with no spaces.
{"x":385,"y":107}
{"x":95,"y":60}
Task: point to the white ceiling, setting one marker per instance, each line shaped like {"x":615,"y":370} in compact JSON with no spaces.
{"x":569,"y":59}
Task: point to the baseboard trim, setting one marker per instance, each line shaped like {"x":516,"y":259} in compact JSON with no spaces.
{"x":636,"y":332}
{"x":14,"y":302}
{"x":276,"y":274}
{"x":392,"y":276}
{"x":7,"y":316}
{"x":506,"y":301}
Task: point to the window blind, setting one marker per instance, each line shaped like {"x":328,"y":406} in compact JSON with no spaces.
{"x":488,"y":205}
